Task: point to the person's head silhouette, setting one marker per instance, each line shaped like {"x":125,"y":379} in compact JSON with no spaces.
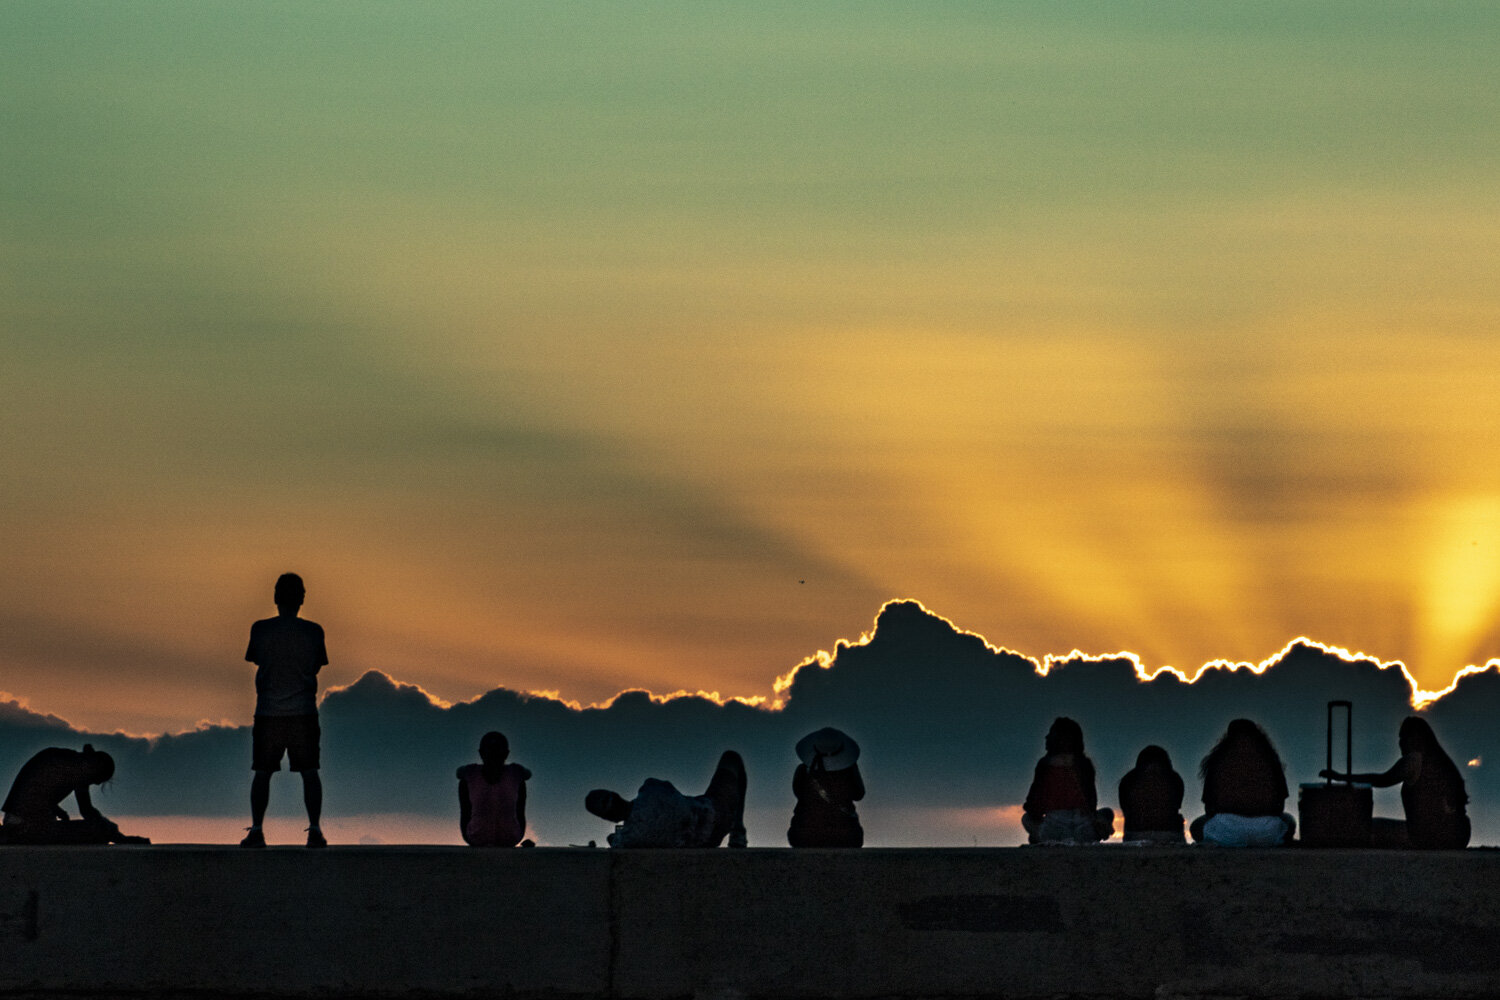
{"x":101,"y":765}
{"x":1154,"y":756}
{"x":1416,"y":735}
{"x":1065,"y":736}
{"x":493,"y":749}
{"x":290,"y":593}
{"x":607,"y":805}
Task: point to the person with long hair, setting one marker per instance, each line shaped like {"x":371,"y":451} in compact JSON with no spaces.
{"x":1432,"y":793}
{"x":33,"y":810}
{"x":1151,"y":799}
{"x":1062,"y":805}
{"x":1244,"y":791}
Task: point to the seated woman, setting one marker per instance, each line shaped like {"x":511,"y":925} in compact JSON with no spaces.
{"x":33,"y":809}
{"x":1244,"y":791}
{"x":1151,"y":799}
{"x":1432,"y":794}
{"x":492,"y":797}
{"x":826,"y":784}
{"x":1061,"y":806}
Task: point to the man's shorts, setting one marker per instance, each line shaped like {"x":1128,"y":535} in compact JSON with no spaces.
{"x":293,"y":735}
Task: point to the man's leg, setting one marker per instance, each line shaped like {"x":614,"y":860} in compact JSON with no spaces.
{"x":265,"y":760}
{"x":260,"y":797}
{"x":312,"y":796}
{"x":726,"y":790}
{"x":303,"y":756}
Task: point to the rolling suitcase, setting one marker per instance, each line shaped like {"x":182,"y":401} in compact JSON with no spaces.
{"x":1336,"y":814}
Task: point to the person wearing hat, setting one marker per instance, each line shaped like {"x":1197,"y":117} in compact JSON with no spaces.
{"x":827,"y":784}
{"x":33,"y":809}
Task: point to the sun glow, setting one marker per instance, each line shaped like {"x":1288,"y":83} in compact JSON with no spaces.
{"x":1461,"y":578}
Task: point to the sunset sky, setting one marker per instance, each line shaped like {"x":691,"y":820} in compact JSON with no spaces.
{"x":589,"y":346}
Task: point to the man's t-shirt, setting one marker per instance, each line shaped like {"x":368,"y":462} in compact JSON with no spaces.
{"x":289,"y":652}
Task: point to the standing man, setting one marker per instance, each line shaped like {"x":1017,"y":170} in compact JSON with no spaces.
{"x":288,"y":652}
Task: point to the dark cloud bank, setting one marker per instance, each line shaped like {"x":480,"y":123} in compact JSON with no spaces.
{"x":950,"y":729}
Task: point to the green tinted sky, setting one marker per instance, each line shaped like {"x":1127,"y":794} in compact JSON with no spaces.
{"x":556,"y":344}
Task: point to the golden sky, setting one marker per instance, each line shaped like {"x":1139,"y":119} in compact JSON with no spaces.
{"x":586,"y":347}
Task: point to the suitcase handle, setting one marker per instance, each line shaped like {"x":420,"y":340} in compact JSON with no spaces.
{"x":1348,"y":707}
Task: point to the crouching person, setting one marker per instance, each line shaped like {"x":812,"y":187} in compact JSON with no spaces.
{"x":33,"y":809}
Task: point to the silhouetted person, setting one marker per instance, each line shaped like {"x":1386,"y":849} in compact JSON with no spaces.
{"x":661,"y":816}
{"x":33,"y":809}
{"x":1432,"y":793}
{"x":1062,"y":805}
{"x":1151,"y":799}
{"x":826,"y":784}
{"x":1244,"y":791}
{"x":288,"y":652}
{"x":492,"y":796}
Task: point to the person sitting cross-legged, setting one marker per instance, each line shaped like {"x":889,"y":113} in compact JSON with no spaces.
{"x":1062,"y":805}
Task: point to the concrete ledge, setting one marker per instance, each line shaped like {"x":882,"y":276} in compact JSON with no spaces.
{"x":559,"y":923}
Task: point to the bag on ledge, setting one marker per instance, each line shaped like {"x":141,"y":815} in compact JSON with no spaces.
{"x":1336,"y":815}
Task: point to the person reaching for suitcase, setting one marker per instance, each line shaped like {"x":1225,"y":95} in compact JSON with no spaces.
{"x":1432,"y":793}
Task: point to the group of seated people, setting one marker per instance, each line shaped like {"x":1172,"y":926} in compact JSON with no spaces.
{"x":492,"y":801}
{"x":1244,"y":794}
{"x":1244,"y":797}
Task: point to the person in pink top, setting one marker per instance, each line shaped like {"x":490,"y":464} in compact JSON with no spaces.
{"x":1062,"y":805}
{"x":492,"y":797}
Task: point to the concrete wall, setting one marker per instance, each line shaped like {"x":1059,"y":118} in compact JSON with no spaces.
{"x":559,"y":923}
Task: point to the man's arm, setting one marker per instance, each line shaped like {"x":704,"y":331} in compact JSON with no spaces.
{"x":252,"y":651}
{"x":322,"y":657}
